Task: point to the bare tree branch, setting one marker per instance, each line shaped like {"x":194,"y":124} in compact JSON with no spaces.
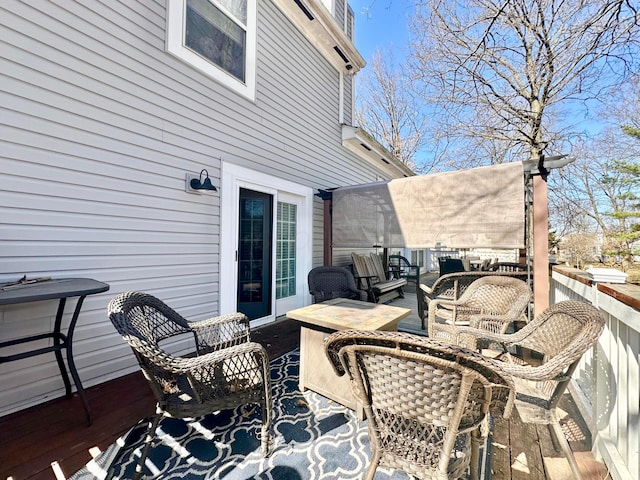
{"x":387,"y":107}
{"x":505,"y":67}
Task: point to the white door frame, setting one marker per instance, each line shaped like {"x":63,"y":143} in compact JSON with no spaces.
{"x":233,"y":178}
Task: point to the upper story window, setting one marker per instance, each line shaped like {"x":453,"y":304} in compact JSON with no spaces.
{"x":217,"y":37}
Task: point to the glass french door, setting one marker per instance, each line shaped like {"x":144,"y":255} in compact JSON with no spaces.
{"x":255,"y":235}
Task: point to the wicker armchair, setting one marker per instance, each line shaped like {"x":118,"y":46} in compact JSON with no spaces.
{"x":425,"y":401}
{"x":228,"y":371}
{"x":492,"y":302}
{"x":451,"y":286}
{"x":561,"y":334}
{"x":326,"y":283}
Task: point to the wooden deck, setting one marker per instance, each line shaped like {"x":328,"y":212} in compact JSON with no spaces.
{"x":36,"y":442}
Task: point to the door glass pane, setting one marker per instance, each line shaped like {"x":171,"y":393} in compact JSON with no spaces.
{"x":286,"y":250}
{"x":251,"y":253}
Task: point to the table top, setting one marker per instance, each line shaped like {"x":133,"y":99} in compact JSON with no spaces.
{"x":344,"y":313}
{"x":50,"y":289}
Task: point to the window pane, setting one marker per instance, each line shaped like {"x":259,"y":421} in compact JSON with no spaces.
{"x":214,"y":36}
{"x":237,"y":8}
{"x":286,"y":250}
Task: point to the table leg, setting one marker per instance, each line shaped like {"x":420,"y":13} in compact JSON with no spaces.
{"x":57,"y":336}
{"x":71,"y":363}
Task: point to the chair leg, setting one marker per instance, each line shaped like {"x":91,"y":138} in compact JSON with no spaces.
{"x":267,"y":417}
{"x":265,"y":432}
{"x":373,"y":466}
{"x":566,"y":448}
{"x":476,"y":440}
{"x":149,"y":434}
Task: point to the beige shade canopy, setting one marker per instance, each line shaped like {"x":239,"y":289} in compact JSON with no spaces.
{"x":479,"y":207}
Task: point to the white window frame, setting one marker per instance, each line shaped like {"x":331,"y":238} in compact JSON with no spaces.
{"x":176,"y":10}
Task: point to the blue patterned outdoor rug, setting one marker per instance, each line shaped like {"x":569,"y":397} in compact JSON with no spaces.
{"x":313,"y":438}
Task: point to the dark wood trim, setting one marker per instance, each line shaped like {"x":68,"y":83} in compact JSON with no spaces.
{"x":328,"y":232}
{"x":626,"y":293}
{"x":574,"y":273}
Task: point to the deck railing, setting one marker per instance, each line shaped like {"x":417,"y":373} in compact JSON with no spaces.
{"x":606,"y":385}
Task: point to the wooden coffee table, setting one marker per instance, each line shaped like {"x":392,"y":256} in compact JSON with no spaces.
{"x":319,"y":321}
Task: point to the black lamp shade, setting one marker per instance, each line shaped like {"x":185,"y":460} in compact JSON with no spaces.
{"x":199,"y":184}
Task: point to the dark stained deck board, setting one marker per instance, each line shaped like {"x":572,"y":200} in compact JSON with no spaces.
{"x":61,"y":433}
{"x":526,"y":458}
{"x":56,"y":431}
{"x":500,"y":450}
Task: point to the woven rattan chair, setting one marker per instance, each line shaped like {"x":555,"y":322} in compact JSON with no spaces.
{"x":425,"y":401}
{"x":451,"y":287}
{"x":228,"y":370}
{"x":492,"y":302}
{"x":326,"y":283}
{"x":560,"y":335}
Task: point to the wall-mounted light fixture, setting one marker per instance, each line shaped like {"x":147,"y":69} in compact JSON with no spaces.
{"x":202,"y":182}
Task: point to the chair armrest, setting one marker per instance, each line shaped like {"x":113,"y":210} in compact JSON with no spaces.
{"x":457,"y":307}
{"x":368,"y":279}
{"x":501,"y":339}
{"x":491,"y":323}
{"x":426,"y":289}
{"x":223,"y":372}
{"x":221,"y":331}
{"x":202,"y":364}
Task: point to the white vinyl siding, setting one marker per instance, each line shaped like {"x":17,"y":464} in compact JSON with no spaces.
{"x":349,"y":27}
{"x":339,"y":11}
{"x":347,"y":99}
{"x":99,"y":126}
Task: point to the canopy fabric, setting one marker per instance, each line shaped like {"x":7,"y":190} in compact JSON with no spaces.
{"x":479,"y":207}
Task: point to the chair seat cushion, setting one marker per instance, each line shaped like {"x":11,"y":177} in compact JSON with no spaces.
{"x":389,"y":285}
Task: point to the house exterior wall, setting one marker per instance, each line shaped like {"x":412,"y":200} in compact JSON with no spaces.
{"x":99,"y":126}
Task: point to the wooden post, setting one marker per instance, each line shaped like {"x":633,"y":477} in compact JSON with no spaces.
{"x":328,"y":232}
{"x":540,"y":244}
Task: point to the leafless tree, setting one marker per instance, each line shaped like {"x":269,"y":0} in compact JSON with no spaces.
{"x":595,"y":191}
{"x":504,"y":76}
{"x":387,"y":108}
{"x":579,"y":248}
{"x":598,"y":192}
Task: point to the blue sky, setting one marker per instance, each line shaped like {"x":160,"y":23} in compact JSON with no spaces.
{"x":381,"y":24}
